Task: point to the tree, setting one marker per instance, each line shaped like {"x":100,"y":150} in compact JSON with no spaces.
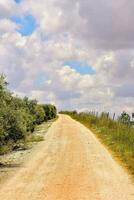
{"x":39,"y":114}
{"x":124,"y":118}
{"x":5,"y":95}
{"x":19,"y":116}
{"x":50,"y":111}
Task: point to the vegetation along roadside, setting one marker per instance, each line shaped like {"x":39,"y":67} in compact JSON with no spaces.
{"x":19,"y":117}
{"x":118,"y":135}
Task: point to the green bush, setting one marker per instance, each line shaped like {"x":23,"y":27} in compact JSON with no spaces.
{"x":19,"y":116}
{"x":39,"y":114}
{"x":50,"y":111}
{"x":124,"y":118}
{"x":15,"y":125}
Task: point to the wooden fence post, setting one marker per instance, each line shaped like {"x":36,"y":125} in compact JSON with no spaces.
{"x":114,"y":116}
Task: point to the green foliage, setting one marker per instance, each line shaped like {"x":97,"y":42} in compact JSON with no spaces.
{"x":124,"y":118}
{"x":39,"y":114}
{"x":119,"y":136}
{"x":50,"y":111}
{"x":14,"y":124}
{"x":19,"y":116}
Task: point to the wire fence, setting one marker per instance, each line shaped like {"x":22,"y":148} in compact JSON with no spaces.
{"x":112,"y":116}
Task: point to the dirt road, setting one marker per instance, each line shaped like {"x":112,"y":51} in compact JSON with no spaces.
{"x":70,"y":164}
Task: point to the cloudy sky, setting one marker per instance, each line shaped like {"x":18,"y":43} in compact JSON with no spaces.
{"x":78,"y":54}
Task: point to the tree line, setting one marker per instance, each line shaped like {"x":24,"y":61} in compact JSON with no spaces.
{"x":19,"y":116}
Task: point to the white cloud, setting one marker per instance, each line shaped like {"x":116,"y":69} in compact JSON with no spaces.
{"x":7,"y":8}
{"x":71,"y":30}
{"x":6,"y":26}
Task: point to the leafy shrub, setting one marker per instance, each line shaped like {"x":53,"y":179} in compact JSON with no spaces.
{"x":19,"y":116}
{"x":39,"y":114}
{"x":50,"y":111}
{"x":124,"y":118}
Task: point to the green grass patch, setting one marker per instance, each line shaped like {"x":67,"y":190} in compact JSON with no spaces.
{"x":117,"y":136}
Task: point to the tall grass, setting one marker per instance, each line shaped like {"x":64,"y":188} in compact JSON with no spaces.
{"x":117,"y":136}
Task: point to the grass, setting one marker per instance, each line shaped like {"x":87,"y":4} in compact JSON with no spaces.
{"x":117,"y":136}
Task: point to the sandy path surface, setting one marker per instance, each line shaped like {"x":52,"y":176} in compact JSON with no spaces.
{"x":71,"y":164}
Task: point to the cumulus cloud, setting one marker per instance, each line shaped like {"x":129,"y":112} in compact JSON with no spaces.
{"x":99,"y":34}
{"x":7,"y":26}
{"x":7,"y":8}
{"x":103,"y":24}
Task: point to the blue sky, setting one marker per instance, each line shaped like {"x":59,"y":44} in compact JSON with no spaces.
{"x":80,"y":67}
{"x":18,"y":1}
{"x":84,"y":45}
{"x":26,"y":24}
